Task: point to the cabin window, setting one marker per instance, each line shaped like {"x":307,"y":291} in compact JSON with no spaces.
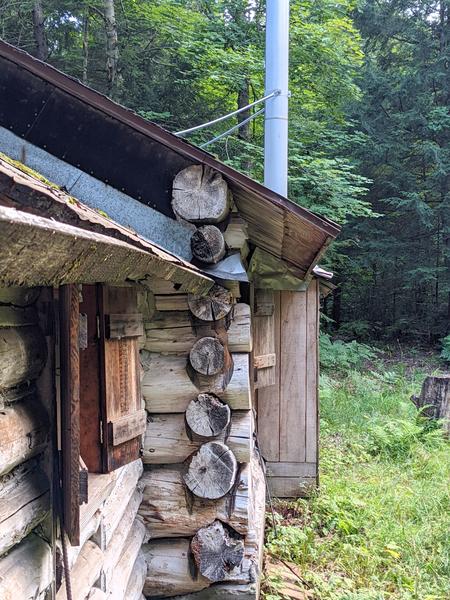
{"x":101,"y":406}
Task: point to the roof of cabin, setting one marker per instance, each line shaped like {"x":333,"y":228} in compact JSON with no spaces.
{"x":89,"y":131}
{"x":33,"y":210}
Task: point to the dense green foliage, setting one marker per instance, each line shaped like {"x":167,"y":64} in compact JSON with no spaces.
{"x":378,"y":530}
{"x":369,"y":123}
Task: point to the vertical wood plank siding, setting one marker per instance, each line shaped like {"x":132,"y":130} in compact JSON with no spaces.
{"x":288,"y":410}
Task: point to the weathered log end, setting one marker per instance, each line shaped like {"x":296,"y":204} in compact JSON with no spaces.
{"x":216,"y":305}
{"x":212,"y":471}
{"x":208,"y":244}
{"x":207,"y":356}
{"x":207,"y":416}
{"x":217,"y":551}
{"x":200,"y":195}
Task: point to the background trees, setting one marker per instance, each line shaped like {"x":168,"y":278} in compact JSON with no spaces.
{"x":369,"y":129}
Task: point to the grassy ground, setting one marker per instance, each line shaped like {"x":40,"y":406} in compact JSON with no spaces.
{"x":380,"y":526}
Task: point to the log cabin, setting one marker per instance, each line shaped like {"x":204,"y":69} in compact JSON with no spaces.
{"x":159,"y":352}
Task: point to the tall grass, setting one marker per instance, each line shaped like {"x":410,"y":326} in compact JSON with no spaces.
{"x":379,"y":527}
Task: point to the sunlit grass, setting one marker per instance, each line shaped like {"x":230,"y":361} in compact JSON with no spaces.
{"x":379,"y":528}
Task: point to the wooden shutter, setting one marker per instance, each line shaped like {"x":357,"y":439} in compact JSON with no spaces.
{"x":70,"y":409}
{"x":264,"y":351}
{"x":124,"y":419}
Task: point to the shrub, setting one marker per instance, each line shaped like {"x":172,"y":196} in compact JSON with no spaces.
{"x":342,"y":356}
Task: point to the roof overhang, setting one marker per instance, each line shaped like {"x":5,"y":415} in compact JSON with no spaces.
{"x":89,"y":131}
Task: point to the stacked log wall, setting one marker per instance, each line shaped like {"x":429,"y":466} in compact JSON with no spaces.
{"x":202,"y":476}
{"x":26,"y":400}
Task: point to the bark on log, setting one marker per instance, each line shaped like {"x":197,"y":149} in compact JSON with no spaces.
{"x":171,"y":570}
{"x":212,"y":471}
{"x":176,"y":332}
{"x":207,"y":356}
{"x":168,"y":510}
{"x":84,"y":573}
{"x":24,"y":432}
{"x":216,"y":305}
{"x":24,"y":503}
{"x":23,"y":353}
{"x":200,"y":195}
{"x":216,"y":551}
{"x":136,"y":580}
{"x":434,"y":399}
{"x":166,"y":439}
{"x":207,"y":417}
{"x":27,"y":571}
{"x":116,"y":503}
{"x":167,"y":388}
{"x":19,"y":296}
{"x":207,"y":244}
{"x":124,"y":568}
{"x":117,"y":544}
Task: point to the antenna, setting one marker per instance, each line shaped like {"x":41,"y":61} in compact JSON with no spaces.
{"x":277,"y":78}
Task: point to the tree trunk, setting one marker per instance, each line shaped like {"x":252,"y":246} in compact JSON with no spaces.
{"x":216,"y":551}
{"x":434,"y":399}
{"x":136,"y":580}
{"x":208,"y":244}
{"x":212,"y":471}
{"x":124,"y":568}
{"x":27,"y":571}
{"x":84,"y":573}
{"x":217,"y":304}
{"x":24,"y":503}
{"x":170,"y":569}
{"x":40,"y":39}
{"x":207,"y":417}
{"x":200,"y":195}
{"x":167,"y":388}
{"x":85,"y":46}
{"x":112,"y":46}
{"x":24,"y":432}
{"x":23,"y":353}
{"x":167,"y":441}
{"x":168,"y":511}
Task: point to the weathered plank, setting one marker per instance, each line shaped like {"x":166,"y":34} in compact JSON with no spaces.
{"x":167,"y":388}
{"x":124,"y":567}
{"x":136,"y":580}
{"x":168,"y":511}
{"x":166,"y":439}
{"x":84,"y":573}
{"x":127,"y":427}
{"x":264,"y":338}
{"x":24,"y":503}
{"x":23,"y":353}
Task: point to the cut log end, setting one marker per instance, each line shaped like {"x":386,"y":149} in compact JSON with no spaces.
{"x":200,"y":195}
{"x":208,"y":244}
{"x":212,"y":471}
{"x":216,"y":551}
{"x":207,"y":416}
{"x":207,"y":356}
{"x":216,"y":305}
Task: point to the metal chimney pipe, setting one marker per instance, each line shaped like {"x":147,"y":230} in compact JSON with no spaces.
{"x":276,"y":113}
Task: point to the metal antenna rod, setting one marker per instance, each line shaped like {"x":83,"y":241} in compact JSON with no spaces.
{"x":277,"y":78}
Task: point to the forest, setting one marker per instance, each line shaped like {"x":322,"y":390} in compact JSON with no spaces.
{"x":369,"y":148}
{"x":369,"y":124}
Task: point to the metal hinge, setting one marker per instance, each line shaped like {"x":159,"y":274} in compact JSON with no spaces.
{"x":101,"y":432}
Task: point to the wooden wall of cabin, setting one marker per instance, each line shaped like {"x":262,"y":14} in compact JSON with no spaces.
{"x":26,"y":412}
{"x":287,"y":324}
{"x":178,"y":518}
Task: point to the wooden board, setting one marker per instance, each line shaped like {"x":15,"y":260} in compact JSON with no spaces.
{"x":264,"y":338}
{"x":121,"y":375}
{"x":69,"y":297}
{"x":127,"y":427}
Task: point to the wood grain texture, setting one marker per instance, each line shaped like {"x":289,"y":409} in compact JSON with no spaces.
{"x":24,"y":503}
{"x":168,"y":511}
{"x":167,"y":388}
{"x":208,"y":244}
{"x":216,"y":551}
{"x":312,"y":372}
{"x":291,"y":487}
{"x":27,"y":571}
{"x":19,"y":296}
{"x":264,"y":337}
{"x":167,"y":440}
{"x":128,"y":427}
{"x":124,"y":567}
{"x":23,"y":353}
{"x":212,"y":471}
{"x":293,"y":350}
{"x":121,"y":375}
{"x":136,"y":581}
{"x":207,"y":417}
{"x":268,"y":398}
{"x":69,"y":298}
{"x":84,"y":573}
{"x":214,"y":306}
